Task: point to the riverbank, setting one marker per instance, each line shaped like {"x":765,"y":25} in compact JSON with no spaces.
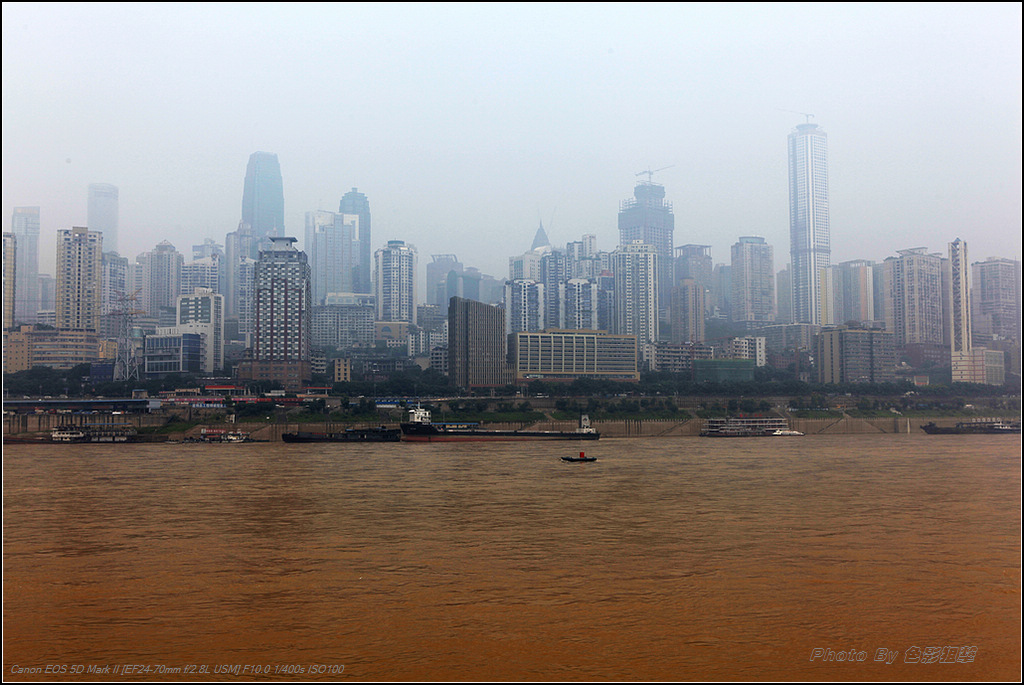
{"x":36,"y":428}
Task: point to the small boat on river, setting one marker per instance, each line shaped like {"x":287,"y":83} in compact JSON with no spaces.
{"x":580,"y":459}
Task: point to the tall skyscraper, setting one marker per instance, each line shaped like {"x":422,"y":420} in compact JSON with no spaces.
{"x":477,"y":345}
{"x":202,"y":312}
{"x":25,"y":226}
{"x":636,"y":291}
{"x":524,"y":306}
{"x":79,"y":278}
{"x":333,"y":251}
{"x":440,"y":266}
{"x":996,"y":299}
{"x":281,"y":336}
{"x":263,"y":197}
{"x":103,"y":213}
{"x":354,"y":202}
{"x":753,"y":282}
{"x":161,"y":277}
{"x":395,"y":282}
{"x":688,"y":312}
{"x":809,"y":236}
{"x":959,"y":298}
{"x":912,"y":284}
{"x":239,"y":255}
{"x":10,"y":277}
{"x":649,"y":219}
{"x":579,"y":301}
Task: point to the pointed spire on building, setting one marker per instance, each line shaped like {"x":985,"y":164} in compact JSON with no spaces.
{"x":541,"y":239}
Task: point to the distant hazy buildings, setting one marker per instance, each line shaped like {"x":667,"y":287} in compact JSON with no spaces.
{"x":25,"y":227}
{"x":263,"y":197}
{"x":809,"y":233}
{"x":355,"y":203}
{"x":853,"y":291}
{"x":649,"y":219}
{"x":395,"y":282}
{"x":687,"y":316}
{"x":753,"y":282}
{"x":161,"y":277}
{"x":332,"y":246}
{"x":103,"y":213}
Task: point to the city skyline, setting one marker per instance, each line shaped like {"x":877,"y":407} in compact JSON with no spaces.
{"x":475,"y":162}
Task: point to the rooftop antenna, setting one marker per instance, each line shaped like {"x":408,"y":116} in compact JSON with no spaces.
{"x":650,"y":174}
{"x":804,"y":114}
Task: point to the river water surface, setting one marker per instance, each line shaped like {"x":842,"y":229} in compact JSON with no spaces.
{"x":667,"y":559}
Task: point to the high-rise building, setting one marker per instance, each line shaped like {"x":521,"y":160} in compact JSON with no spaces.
{"x":554,"y":271}
{"x":355,"y":203}
{"x":635,"y":266}
{"x":25,"y":227}
{"x":79,"y":278}
{"x":579,"y":304}
{"x":395,"y":282}
{"x":524,"y":306}
{"x":688,"y":312}
{"x":753,"y":282}
{"x":203,"y":272}
{"x":809,"y":235}
{"x":103,"y":213}
{"x":784,"y":296}
{"x":477,"y":345}
{"x":202,"y":312}
{"x":850,"y":355}
{"x":161,"y":277}
{"x":280,"y":350}
{"x":912,"y":284}
{"x":240,"y":254}
{"x":959,"y":298}
{"x":649,"y":219}
{"x":333,"y":251}
{"x":996,"y":300}
{"x":263,"y":197}
{"x":854,"y":291}
{"x":10,"y":277}
{"x":438,"y":270}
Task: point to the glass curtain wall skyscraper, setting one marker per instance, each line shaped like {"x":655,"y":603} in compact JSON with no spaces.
{"x":103,"y":213}
{"x":354,"y":202}
{"x":263,"y":197}
{"x":25,"y":226}
{"x":810,"y":249}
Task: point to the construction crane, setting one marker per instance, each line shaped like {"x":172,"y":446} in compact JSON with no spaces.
{"x":803,"y":114}
{"x":650,"y":174}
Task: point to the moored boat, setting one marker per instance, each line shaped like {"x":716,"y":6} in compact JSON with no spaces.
{"x":420,"y":428}
{"x":978,"y":426}
{"x":381,"y":434}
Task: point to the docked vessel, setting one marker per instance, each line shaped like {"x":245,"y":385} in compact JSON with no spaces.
{"x":96,"y":433}
{"x":978,"y":426}
{"x":419,"y":428}
{"x":746,"y":427}
{"x":381,"y":434}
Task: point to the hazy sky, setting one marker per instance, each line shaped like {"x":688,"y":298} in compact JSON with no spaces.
{"x":466,"y":124}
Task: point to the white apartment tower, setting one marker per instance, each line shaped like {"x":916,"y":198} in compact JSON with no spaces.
{"x":395,"y":282}
{"x":636,"y":291}
{"x":79,"y":278}
{"x":809,"y":236}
